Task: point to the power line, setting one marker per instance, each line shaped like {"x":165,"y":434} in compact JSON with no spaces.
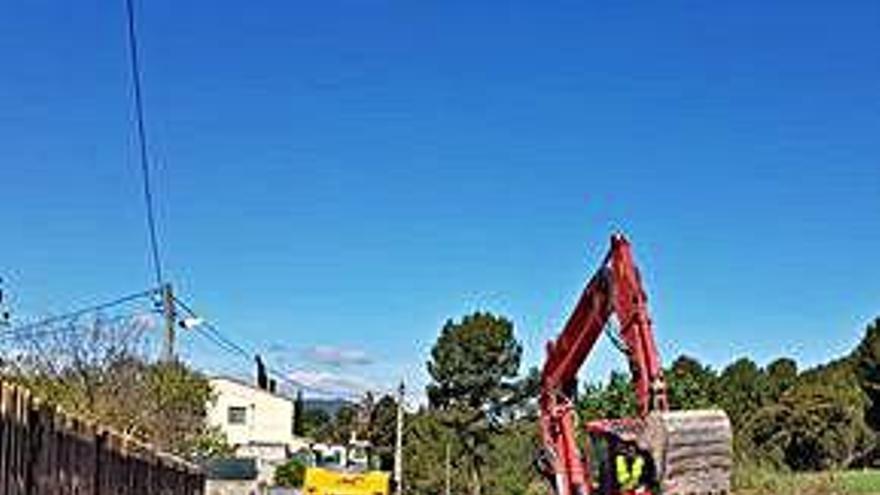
{"x":212,"y":333}
{"x":221,"y":343}
{"x":38,"y":334}
{"x":22,"y":329}
{"x":209,"y":330}
{"x":142,"y":139}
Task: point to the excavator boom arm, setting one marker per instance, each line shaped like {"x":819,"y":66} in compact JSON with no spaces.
{"x":616,"y":290}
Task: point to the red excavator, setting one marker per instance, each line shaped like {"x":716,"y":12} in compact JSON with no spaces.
{"x":689,"y":451}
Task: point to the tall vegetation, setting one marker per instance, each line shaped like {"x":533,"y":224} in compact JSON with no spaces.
{"x":824,"y":417}
{"x":102,"y":374}
{"x":477,"y":432}
{"x":474,"y":365}
{"x":481,"y":415}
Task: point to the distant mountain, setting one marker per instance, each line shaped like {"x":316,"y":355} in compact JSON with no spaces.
{"x":330,"y":406}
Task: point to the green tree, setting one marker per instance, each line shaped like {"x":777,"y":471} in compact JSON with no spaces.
{"x":299,"y":408}
{"x":810,"y":420}
{"x":315,"y":423}
{"x":426,"y":439}
{"x":344,"y":423}
{"x":867,"y":368}
{"x":781,"y":376}
{"x":98,"y":373}
{"x":815,"y":426}
{"x":383,"y":431}
{"x":510,"y":470}
{"x":615,"y":399}
{"x":291,"y":474}
{"x":742,"y":389}
{"x":209,"y":444}
{"x":473,"y":367}
{"x":690,"y":384}
{"x":174,"y":406}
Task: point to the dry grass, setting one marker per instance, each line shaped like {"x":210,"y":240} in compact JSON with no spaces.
{"x":758,"y":481}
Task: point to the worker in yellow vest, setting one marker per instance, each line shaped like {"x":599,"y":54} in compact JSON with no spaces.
{"x":630,"y":470}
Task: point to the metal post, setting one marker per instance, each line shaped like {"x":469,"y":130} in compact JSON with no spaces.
{"x":398,"y":444}
{"x":448,"y":470}
{"x":170,"y":322}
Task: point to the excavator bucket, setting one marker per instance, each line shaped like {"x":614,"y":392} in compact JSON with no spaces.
{"x":692,"y":451}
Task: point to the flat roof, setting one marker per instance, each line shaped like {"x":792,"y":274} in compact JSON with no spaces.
{"x":250,"y":386}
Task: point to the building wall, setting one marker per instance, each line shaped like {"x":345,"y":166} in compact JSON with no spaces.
{"x":231,"y":487}
{"x":268,"y":417}
{"x":268,"y":457}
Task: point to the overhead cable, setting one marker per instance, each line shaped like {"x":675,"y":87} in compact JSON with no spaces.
{"x":210,"y":331}
{"x":51,"y":320}
{"x":142,"y":139}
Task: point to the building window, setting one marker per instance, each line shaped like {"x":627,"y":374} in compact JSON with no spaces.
{"x":236,"y":415}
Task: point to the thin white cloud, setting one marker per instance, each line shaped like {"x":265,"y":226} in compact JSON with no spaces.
{"x":337,"y":356}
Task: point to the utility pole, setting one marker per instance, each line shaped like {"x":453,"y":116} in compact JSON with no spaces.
{"x":170,"y":315}
{"x":398,"y":443}
{"x":448,"y":473}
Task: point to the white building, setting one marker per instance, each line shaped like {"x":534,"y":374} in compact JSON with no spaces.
{"x":252,"y":416}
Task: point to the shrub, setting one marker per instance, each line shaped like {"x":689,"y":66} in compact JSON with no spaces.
{"x":291,"y":474}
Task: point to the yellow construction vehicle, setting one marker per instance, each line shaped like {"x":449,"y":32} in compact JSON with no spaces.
{"x":345,"y":470}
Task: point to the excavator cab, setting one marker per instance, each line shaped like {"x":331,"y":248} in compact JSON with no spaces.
{"x":606,"y":438}
{"x":683,"y":451}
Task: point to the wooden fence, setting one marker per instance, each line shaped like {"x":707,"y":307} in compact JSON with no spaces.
{"x":46,"y":452}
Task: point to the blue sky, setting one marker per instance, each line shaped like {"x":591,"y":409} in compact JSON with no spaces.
{"x":337,"y":178}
